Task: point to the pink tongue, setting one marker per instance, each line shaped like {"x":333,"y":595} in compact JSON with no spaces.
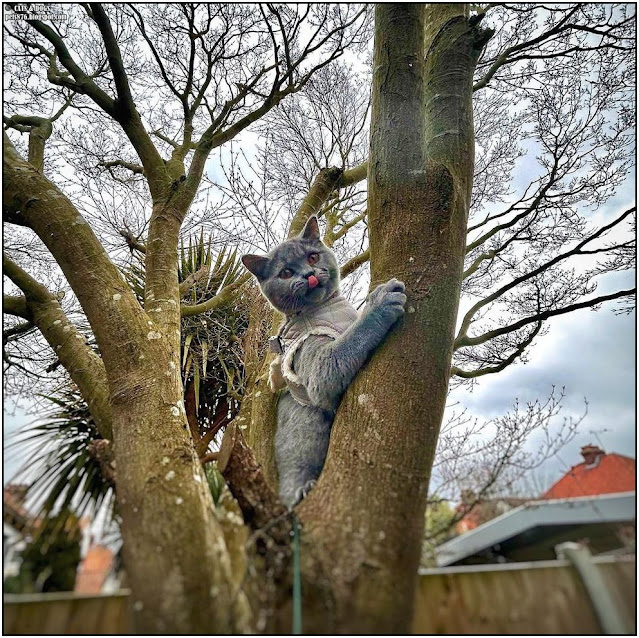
{"x":312,"y":281}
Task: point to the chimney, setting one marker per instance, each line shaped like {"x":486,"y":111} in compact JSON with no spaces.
{"x":591,"y":454}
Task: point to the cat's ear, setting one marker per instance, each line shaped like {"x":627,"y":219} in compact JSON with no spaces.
{"x":257,"y":264}
{"x":311,"y":229}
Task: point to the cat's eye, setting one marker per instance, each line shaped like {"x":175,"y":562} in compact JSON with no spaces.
{"x":313,"y":258}
{"x":285,"y":274}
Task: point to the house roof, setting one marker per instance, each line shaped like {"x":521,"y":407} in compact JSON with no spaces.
{"x":605,"y":474}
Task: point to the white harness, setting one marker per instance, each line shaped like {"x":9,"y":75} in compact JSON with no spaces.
{"x":330,"y":319}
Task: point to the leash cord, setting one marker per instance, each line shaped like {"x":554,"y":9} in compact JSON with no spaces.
{"x":297,"y":580}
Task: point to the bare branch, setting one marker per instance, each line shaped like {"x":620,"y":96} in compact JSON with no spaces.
{"x":134,"y":168}
{"x":132,"y":242}
{"x":542,"y":316}
{"x":17,"y":331}
{"x":354,"y":263}
{"x":462,"y":338}
{"x":473,"y":374}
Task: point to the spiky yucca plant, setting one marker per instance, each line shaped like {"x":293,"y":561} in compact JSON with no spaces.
{"x":62,"y":469}
{"x":212,"y":357}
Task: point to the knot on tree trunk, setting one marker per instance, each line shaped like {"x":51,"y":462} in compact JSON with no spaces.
{"x":102,"y":451}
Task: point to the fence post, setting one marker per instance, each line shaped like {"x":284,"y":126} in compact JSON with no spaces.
{"x":605,"y":608}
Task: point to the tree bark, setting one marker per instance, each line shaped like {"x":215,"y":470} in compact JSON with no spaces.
{"x":363,"y":522}
{"x":179,"y":587}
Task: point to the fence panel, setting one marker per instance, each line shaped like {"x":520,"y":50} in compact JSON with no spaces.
{"x":543,"y":597}
{"x":66,"y":613}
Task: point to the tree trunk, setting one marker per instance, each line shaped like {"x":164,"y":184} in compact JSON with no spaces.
{"x":363,"y":522}
{"x":174,"y":548}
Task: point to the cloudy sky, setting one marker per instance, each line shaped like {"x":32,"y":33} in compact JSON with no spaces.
{"x":592,"y":355}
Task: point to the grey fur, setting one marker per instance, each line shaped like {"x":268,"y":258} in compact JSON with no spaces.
{"x":326,"y":366}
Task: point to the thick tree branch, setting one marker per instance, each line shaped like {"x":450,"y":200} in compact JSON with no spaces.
{"x":83,"y":84}
{"x":325,"y":182}
{"x":246,"y":481}
{"x":125,"y":112}
{"x":16,"y":305}
{"x":122,"y":110}
{"x":84,"y":366}
{"x":353,"y":175}
{"x":109,"y":304}
{"x":209,"y":457}
{"x":124,"y":103}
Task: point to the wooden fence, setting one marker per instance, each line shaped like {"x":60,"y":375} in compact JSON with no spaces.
{"x":545,"y":597}
{"x":66,"y":613}
{"x":542,"y":597}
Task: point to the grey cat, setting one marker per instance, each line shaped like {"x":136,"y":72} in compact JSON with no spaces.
{"x":321,"y":346}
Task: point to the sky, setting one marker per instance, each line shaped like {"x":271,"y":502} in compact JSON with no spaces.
{"x":590,"y":354}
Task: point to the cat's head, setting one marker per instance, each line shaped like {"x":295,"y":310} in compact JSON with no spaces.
{"x":299,"y":273}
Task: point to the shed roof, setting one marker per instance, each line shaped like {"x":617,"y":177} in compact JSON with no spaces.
{"x":556,"y":516}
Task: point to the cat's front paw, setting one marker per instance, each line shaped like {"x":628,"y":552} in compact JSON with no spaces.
{"x":388,"y":300}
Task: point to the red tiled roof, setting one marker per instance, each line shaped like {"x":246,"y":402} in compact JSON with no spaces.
{"x":93,"y":570}
{"x":611,"y":473}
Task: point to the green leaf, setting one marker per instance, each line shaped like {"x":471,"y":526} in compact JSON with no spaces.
{"x":205,"y":351}
{"x":200,"y":250}
{"x":187,"y":344}
{"x":182,"y":275}
{"x":196,"y":386}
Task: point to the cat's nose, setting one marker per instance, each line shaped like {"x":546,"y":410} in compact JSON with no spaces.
{"x":312,"y":281}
